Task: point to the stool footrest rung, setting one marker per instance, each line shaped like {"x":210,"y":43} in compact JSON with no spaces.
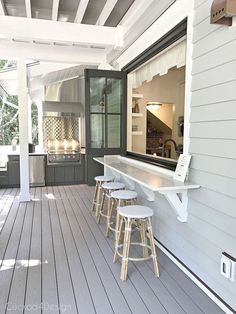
{"x":136,"y":259}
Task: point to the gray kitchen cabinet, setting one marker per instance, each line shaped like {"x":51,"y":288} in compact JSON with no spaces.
{"x":14,"y":173}
{"x":80,"y":174}
{"x":69,"y":174}
{"x":13,"y":169}
{"x":3,"y":178}
{"x":49,"y":175}
{"x":66,"y":173}
{"x":59,"y":175}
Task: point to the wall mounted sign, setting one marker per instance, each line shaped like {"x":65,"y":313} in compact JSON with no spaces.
{"x":182,"y":167}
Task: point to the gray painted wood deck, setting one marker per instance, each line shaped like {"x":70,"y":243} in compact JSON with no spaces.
{"x":55,"y":259}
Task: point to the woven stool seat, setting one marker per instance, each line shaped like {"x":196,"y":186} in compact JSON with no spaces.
{"x":103,"y":178}
{"x":124,"y":195}
{"x":113,"y":185}
{"x":135,"y":211}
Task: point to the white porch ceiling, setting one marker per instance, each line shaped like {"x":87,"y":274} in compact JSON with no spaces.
{"x":71,"y":33}
{"x":110,"y":25}
{"x":67,"y":10}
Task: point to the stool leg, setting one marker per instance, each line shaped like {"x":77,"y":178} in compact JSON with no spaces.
{"x":100,"y":206}
{"x":109,"y":213}
{"x":95,"y":198}
{"x":120,"y":225}
{"x":125,"y":256}
{"x":143,"y":236}
{"x":117,"y":224}
{"x":154,"y":255}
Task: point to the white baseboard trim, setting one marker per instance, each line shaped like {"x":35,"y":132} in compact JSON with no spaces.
{"x":194,"y":279}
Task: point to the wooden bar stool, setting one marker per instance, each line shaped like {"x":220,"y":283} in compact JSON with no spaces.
{"x":121,"y":198}
{"x":107,"y":188}
{"x":98,"y":189}
{"x":130,"y":215}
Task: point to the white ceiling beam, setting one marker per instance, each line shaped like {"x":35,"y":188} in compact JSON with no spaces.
{"x":43,"y":68}
{"x":20,"y":28}
{"x":106,"y":11}
{"x":55,"y":7}
{"x":51,"y":53}
{"x":2,"y":8}
{"x":81,"y":10}
{"x":134,"y":13}
{"x":28,"y":8}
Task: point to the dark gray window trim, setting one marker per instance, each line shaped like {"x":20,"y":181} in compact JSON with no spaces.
{"x":168,"y":39}
{"x":160,"y":162}
{"x":179,"y":31}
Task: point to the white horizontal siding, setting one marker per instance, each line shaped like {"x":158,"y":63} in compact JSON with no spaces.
{"x":214,"y":94}
{"x":203,"y":13}
{"x":214,"y":112}
{"x":214,"y":130}
{"x":215,"y":200}
{"x":204,"y":29}
{"x":213,"y":148}
{"x":215,"y":58}
{"x":214,"y":40}
{"x":211,"y":77}
{"x":199,"y":3}
{"x":221,"y":184}
{"x":222,"y":222}
{"x":222,"y":166}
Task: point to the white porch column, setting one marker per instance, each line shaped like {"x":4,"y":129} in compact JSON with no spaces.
{"x":29,"y":120}
{"x":23,"y":130}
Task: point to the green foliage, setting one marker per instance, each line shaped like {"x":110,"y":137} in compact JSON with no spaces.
{"x":11,"y":131}
{"x":2,"y":63}
{"x":10,"y":63}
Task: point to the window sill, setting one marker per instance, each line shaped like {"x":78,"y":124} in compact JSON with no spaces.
{"x":165,"y":163}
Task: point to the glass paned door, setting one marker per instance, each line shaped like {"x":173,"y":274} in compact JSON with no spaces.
{"x":97,"y":130}
{"x":113,"y":91}
{"x":113,"y":131}
{"x":105,"y":111}
{"x":97,"y":94}
{"x":105,"y":117}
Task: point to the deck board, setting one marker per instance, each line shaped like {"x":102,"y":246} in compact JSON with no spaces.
{"x":173,"y":299}
{"x":54,"y":255}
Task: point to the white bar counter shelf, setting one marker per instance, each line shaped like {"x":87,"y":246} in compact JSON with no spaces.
{"x":151,"y":179}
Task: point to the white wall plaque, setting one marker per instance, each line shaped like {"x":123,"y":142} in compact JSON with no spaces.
{"x":182,"y":167}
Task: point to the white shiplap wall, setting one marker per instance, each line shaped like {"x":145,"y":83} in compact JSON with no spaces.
{"x":211,"y":76}
{"x":213,"y":147}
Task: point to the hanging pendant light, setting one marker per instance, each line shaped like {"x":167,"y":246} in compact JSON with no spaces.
{"x":153,"y":105}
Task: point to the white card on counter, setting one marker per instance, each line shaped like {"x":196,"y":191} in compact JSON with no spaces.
{"x":182,"y":167}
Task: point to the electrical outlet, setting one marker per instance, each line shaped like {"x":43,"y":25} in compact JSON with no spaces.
{"x":225,"y":266}
{"x":228,"y":266}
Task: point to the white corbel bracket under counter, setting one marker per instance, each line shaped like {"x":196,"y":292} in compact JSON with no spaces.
{"x":151,"y":179}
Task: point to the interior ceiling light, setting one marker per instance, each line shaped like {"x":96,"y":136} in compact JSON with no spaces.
{"x":153,"y":105}
{"x":222,"y":11}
